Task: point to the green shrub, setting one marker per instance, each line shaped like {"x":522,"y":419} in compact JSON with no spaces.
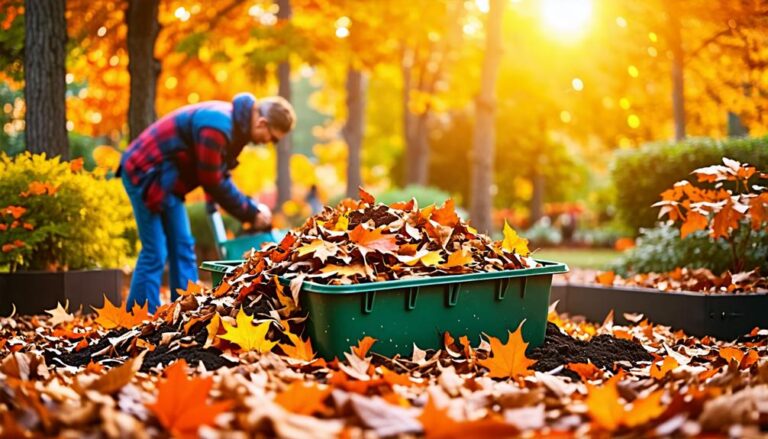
{"x":641,"y":175}
{"x":424,"y":195}
{"x":57,"y":218}
{"x":661,"y":250}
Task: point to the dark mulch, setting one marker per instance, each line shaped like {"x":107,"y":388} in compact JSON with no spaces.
{"x":603,"y":351}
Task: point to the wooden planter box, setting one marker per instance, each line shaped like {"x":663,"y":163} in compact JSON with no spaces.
{"x":33,"y":292}
{"x":725,"y":316}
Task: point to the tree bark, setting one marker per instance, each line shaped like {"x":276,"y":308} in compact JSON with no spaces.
{"x":484,"y":136}
{"x":143,"y":27}
{"x":678,"y":64}
{"x":354,"y":128}
{"x":44,"y":75}
{"x":285,"y":146}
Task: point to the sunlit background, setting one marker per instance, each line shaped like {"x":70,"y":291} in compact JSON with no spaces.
{"x":578,"y":81}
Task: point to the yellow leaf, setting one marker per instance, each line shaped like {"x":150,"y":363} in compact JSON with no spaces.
{"x":248,"y":336}
{"x":344,"y":270}
{"x":213,"y":329}
{"x":668,"y":365}
{"x":342,"y":224}
{"x":427,"y":258}
{"x":458,"y":258}
{"x":645,"y":409}
{"x":509,"y":360}
{"x":513,"y":242}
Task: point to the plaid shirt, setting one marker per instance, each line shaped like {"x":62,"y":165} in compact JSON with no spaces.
{"x":196,"y":145}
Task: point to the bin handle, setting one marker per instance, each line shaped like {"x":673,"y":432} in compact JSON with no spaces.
{"x":501,"y":288}
{"x":413,"y":292}
{"x":453,"y":293}
{"x":368,"y":302}
{"x":523,"y":284}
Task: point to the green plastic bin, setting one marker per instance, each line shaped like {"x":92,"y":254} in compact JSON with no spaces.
{"x":402,"y":313}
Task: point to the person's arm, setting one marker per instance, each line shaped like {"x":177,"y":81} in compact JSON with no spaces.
{"x":215,"y":182}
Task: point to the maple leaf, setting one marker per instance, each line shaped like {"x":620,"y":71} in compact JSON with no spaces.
{"x":117,"y":377}
{"x":606,"y":278}
{"x":363,"y":346}
{"x":365,"y":197}
{"x":319,"y":249}
{"x":344,"y":270}
{"x":513,"y":242}
{"x":182,"y":406}
{"x":342,"y":224}
{"x":446,"y":215}
{"x":603,"y":404}
{"x":111,"y":317}
{"x":304,"y":399}
{"x":213,"y":329}
{"x":607,"y":410}
{"x":731,"y":354}
{"x":587,"y":371}
{"x":437,"y":424}
{"x":508,"y":360}
{"x":248,"y":336}
{"x":192,"y":289}
{"x":373,"y":239}
{"x":694,"y":221}
{"x":458,"y":258}
{"x":426,"y":257}
{"x":300,"y":350}
{"x":667,"y":366}
{"x":60,"y":314}
{"x":289,"y":305}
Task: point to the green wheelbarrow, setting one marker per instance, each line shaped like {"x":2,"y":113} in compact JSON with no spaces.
{"x":237,"y":247}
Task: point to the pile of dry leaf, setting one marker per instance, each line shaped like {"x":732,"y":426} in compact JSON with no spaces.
{"x":700,"y":280}
{"x":231,"y":360}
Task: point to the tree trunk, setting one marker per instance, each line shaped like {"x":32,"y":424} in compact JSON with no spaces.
{"x":484,"y":136}
{"x":537,"y":198}
{"x":143,"y":27}
{"x":285,"y":146}
{"x":353,"y":129}
{"x":678,"y":86}
{"x":44,"y":74}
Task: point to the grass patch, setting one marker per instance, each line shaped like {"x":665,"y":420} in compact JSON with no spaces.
{"x":597,"y":258}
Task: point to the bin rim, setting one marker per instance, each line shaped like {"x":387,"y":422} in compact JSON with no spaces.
{"x":547,"y":268}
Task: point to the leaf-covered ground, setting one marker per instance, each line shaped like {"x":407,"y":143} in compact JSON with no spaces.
{"x":233,"y":361}
{"x":685,"y":386}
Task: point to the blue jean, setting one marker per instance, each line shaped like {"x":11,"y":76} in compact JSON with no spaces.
{"x":164,"y":236}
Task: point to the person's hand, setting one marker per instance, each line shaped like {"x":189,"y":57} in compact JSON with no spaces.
{"x":263,"y":218}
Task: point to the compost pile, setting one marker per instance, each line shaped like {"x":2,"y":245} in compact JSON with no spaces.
{"x":362,"y":241}
{"x":231,"y":360}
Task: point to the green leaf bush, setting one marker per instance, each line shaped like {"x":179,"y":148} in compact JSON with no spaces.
{"x":55,"y":216}
{"x":661,"y":250}
{"x":641,"y":175}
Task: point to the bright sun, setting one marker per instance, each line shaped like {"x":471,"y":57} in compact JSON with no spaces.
{"x":567,"y":17}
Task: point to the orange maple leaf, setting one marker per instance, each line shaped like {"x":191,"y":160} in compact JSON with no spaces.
{"x":437,"y":424}
{"x":111,"y":316}
{"x":303,"y":399}
{"x":587,"y":371}
{"x":373,"y":239}
{"x":446,"y":215}
{"x":606,"y":278}
{"x":693,"y":222}
{"x":609,"y":412}
{"x":731,"y":354}
{"x":300,"y":350}
{"x":668,"y":365}
{"x":509,"y":360}
{"x":182,"y":405}
{"x":192,"y":289}
{"x":458,"y":258}
{"x":366,"y":197}
{"x":363,"y":346}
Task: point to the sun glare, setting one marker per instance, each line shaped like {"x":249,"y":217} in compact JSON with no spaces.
{"x":566,"y":17}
